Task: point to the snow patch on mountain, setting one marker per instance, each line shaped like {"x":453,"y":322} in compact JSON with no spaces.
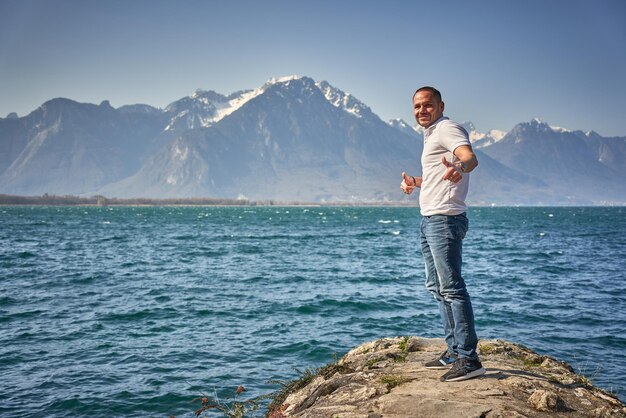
{"x":343,"y":100}
{"x":285,"y":79}
{"x":540,"y":125}
{"x":559,"y":129}
{"x":402,"y":126}
{"x":400,"y":123}
{"x":481,"y":140}
{"x":232,"y":105}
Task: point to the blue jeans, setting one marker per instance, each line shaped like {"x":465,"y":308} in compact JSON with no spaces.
{"x":441,"y":238}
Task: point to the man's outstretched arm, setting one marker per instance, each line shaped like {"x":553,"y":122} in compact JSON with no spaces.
{"x":467,"y":162}
{"x":466,"y":155}
{"x":409,"y":183}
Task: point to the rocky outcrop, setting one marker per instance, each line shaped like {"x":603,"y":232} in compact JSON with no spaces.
{"x":386,"y":378}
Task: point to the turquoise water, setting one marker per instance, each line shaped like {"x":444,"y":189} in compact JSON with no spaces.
{"x":135,"y":311}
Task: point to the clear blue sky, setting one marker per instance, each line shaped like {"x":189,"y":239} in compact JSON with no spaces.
{"x":496,"y":62}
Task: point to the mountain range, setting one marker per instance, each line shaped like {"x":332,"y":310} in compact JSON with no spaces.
{"x":292,"y":139}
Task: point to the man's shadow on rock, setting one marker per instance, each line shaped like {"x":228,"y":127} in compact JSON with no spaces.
{"x":499,"y":374}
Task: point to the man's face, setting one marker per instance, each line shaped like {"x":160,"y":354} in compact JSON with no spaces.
{"x":426,"y":108}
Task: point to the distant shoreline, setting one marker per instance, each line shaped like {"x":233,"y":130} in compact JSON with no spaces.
{"x":68,"y":200}
{"x":102,"y":201}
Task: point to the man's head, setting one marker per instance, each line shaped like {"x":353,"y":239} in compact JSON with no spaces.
{"x":427,"y":106}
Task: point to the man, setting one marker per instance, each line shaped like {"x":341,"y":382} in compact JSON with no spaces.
{"x":447,"y":160}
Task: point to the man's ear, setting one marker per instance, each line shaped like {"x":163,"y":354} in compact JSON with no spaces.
{"x":443,"y":105}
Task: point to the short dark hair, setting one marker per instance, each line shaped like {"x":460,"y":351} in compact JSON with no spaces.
{"x":433,"y":90}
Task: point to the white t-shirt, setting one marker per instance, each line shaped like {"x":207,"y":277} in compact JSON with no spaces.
{"x":439,"y":196}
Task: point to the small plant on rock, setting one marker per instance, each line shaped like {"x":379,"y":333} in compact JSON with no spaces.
{"x":231,"y":407}
{"x":403,"y":345}
{"x":391,"y":381}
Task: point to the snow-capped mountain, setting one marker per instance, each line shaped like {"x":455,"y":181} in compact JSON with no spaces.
{"x":205,"y":108}
{"x":480,"y":139}
{"x":292,"y":139}
{"x":295,"y":139}
{"x":573,"y":164}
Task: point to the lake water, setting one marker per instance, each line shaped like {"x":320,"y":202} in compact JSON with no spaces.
{"x":135,"y":311}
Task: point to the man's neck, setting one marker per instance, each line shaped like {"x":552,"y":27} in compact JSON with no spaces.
{"x":429,"y":128}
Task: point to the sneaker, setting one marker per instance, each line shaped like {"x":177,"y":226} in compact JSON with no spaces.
{"x":444,"y":361}
{"x":463,"y":369}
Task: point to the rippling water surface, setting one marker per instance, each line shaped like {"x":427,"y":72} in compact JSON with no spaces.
{"x":135,"y":311}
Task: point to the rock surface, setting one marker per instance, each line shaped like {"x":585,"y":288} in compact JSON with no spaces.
{"x":386,"y":379}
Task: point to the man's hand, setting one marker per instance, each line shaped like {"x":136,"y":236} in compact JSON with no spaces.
{"x":453,"y":172}
{"x":466,"y":155}
{"x":409,"y":183}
